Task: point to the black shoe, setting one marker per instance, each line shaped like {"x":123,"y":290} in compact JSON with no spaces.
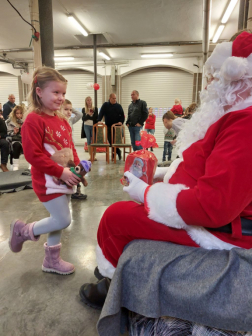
{"x":119,"y":154}
{"x":78,"y":196}
{"x":94,"y":295}
{"x":98,"y":274}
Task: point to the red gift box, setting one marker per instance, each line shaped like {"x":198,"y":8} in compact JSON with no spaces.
{"x":143,"y":163}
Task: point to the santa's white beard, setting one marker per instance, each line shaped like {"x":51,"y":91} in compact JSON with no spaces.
{"x":216,"y":101}
{"x":136,"y":171}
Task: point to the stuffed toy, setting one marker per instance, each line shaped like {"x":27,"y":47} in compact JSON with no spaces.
{"x":80,"y":170}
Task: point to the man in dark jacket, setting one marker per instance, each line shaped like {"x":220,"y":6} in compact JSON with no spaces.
{"x":113,"y":114}
{"x":4,"y":145}
{"x":137,"y":114}
{"x":7,"y":108}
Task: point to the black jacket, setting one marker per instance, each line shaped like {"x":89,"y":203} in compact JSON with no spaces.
{"x":3,"y":129}
{"x":113,"y":113}
{"x":88,"y":117}
{"x":7,"y":108}
{"x":137,"y":113}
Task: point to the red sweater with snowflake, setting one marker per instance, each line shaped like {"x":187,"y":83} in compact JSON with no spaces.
{"x":47,"y":144}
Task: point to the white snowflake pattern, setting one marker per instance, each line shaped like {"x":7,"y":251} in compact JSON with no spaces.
{"x":65,"y":142}
{"x":62,"y":127}
{"x":58,"y":134}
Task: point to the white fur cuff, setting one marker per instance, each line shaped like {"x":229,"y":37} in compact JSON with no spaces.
{"x":104,"y":266}
{"x":161,"y":202}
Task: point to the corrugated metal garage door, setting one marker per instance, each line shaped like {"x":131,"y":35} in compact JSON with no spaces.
{"x":77,"y":92}
{"x":158,"y":86}
{"x":8,"y":85}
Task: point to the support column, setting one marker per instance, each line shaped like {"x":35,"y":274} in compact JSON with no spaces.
{"x":241,"y":15}
{"x":34,"y":13}
{"x":46,"y":31}
{"x":95,"y":68}
{"x":249,"y":18}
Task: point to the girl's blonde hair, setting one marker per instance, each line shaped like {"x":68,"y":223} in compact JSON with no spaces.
{"x":12,"y":115}
{"x":86,"y":107}
{"x":41,"y":77}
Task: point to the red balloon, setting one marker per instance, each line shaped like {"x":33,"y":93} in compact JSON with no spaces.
{"x":96,"y":86}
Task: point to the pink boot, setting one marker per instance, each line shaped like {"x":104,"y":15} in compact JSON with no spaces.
{"x":19,"y":233}
{"x":54,"y":263}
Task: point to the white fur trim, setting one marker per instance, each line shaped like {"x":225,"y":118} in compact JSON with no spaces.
{"x":104,"y":266}
{"x":221,"y":52}
{"x":161,"y":200}
{"x":207,"y":240}
{"x":234,"y":68}
{"x":171,"y":170}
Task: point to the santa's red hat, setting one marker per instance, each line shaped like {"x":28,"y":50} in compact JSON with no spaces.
{"x":233,"y":60}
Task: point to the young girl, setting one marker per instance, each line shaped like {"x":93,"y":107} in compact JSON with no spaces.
{"x":68,"y":111}
{"x":150,"y":123}
{"x":48,"y":146}
{"x":14,"y":124}
{"x":90,"y":118}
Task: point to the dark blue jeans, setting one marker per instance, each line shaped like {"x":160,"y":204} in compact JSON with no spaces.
{"x":89,"y":133}
{"x":167,"y":150}
{"x":135,"y":136}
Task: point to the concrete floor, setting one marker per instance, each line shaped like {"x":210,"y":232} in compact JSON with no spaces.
{"x":34,"y":303}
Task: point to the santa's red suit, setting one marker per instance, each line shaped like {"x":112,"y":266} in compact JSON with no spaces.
{"x":211,"y":185}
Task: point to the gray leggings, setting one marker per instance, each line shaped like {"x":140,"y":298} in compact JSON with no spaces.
{"x":60,"y":218}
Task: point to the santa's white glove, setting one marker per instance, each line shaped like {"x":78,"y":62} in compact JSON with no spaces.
{"x":160,"y":172}
{"x":136,"y":187}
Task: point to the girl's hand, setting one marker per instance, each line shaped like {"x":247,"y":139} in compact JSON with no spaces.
{"x":16,"y":130}
{"x":69,"y":178}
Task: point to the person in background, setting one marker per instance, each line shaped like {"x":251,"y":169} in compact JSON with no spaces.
{"x":113,"y":114}
{"x":89,"y":118}
{"x":73,"y":116}
{"x":189,"y":111}
{"x":14,"y":124}
{"x":150,"y":123}
{"x":169,"y":134}
{"x":4,"y":146}
{"x":9,"y":106}
{"x":137,"y":114}
{"x":177,"y":109}
{"x":1,"y":111}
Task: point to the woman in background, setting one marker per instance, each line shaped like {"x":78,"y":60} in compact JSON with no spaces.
{"x":89,"y":118}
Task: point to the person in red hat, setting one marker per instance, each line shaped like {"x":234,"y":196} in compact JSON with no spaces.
{"x":205,"y":197}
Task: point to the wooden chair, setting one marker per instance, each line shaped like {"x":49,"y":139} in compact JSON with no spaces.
{"x":118,"y":140}
{"x":100,"y":137}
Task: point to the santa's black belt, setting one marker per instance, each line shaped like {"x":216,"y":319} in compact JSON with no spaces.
{"x":246,"y":225}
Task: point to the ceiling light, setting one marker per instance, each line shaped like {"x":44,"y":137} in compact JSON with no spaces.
{"x":104,"y":56}
{"x":229,"y":10}
{"x":63,"y":58}
{"x":77,"y":25}
{"x":156,"y":55}
{"x":218,"y":33}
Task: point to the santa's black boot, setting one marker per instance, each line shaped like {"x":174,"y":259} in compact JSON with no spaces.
{"x":98,"y":274}
{"x":94,"y":295}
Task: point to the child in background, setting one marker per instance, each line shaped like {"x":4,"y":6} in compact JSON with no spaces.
{"x":169,"y":133}
{"x":177,"y":109}
{"x":150,"y":123}
{"x":48,"y":146}
{"x":68,"y":110}
{"x":14,"y":124}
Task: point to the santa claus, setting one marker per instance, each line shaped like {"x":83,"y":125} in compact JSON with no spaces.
{"x":205,"y":199}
